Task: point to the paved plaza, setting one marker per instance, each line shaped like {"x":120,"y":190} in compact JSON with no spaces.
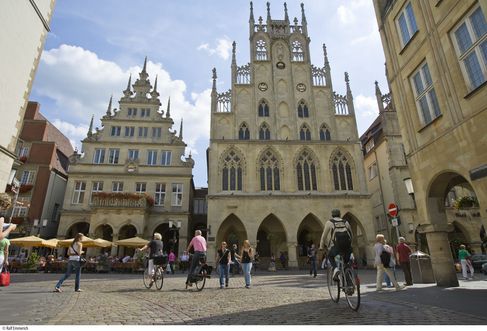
{"x":274,"y":298}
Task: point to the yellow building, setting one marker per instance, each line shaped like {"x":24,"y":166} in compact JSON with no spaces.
{"x":284,"y":149}
{"x":130,"y":179}
{"x":436,"y":57}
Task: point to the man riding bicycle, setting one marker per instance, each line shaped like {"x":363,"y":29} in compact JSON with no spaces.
{"x":199,"y":244}
{"x":155,"y":247}
{"x":337,"y":237}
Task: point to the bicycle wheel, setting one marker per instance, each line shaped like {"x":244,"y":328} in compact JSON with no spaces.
{"x":352,"y":289}
{"x":200,"y":283}
{"x":159,"y":277}
{"x":333,"y":286}
{"x":148,"y":280}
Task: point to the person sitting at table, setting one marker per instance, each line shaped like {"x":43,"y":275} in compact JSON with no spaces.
{"x":126,"y":259}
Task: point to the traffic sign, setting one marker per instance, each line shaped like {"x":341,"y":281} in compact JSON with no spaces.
{"x":394,"y":222}
{"x":392,"y":209}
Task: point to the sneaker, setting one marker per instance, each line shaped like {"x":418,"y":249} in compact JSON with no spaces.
{"x":401,"y":287}
{"x":247,"y":286}
{"x":57,"y":289}
{"x":226,"y":285}
{"x":79,"y":290}
{"x":335,"y":274}
{"x":222,"y":287}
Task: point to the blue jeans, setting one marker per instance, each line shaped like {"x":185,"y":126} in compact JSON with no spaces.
{"x":72,"y":266}
{"x":387,"y":279}
{"x":223,"y":271}
{"x":312,"y":266}
{"x":246,"y":268}
{"x":195,"y":261}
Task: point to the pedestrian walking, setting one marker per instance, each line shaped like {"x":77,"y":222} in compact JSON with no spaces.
{"x":235,"y":264}
{"x":223,"y":259}
{"x":172,"y":260}
{"x":465,"y":257}
{"x":184,"y":261}
{"x":312,"y":260}
{"x":392,"y":264}
{"x":380,"y":259}
{"x":272,"y":263}
{"x":282,"y":258}
{"x":247,"y":255}
{"x":402,"y":258}
{"x":74,"y":252}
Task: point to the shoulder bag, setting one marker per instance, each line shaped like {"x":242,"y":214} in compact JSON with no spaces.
{"x":5,"y":276}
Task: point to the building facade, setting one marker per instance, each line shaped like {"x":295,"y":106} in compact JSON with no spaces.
{"x":25,"y":25}
{"x":130,"y":179}
{"x":436,"y":57}
{"x":284,"y":149}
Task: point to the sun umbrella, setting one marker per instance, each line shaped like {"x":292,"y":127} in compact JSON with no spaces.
{"x":51,"y":243}
{"x":30,"y":241}
{"x":98,"y":243}
{"x":132,"y":242}
{"x":67,"y":242}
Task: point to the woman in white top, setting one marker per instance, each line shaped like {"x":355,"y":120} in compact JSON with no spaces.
{"x":74,"y":253}
{"x":379,"y":248}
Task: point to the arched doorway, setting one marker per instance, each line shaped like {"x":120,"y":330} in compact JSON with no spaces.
{"x":309,"y":232}
{"x":359,"y":243}
{"x":271,"y":239}
{"x":457,"y":237}
{"x":80,"y":227}
{"x":168,"y":237}
{"x":232,"y":231}
{"x":105,"y":232}
{"x":126,"y":231}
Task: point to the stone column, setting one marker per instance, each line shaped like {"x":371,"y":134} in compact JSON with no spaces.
{"x":291,"y":252}
{"x":114,"y":248}
{"x":441,"y":257}
{"x":211,"y":248}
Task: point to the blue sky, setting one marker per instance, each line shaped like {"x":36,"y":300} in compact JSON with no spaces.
{"x":94,"y":45}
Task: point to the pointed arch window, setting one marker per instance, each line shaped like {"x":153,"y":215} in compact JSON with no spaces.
{"x":342,"y":173}
{"x":261,"y":50}
{"x":269,"y":172}
{"x":324,"y":133}
{"x":243,"y":132}
{"x":264,"y":132}
{"x":297,"y":51}
{"x":306,"y":172}
{"x":232,"y":172}
{"x":303,"y":109}
{"x":263,"y":109}
{"x":304,"y":133}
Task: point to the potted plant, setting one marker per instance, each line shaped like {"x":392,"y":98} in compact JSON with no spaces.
{"x":32,"y":263}
{"x":466,"y":202}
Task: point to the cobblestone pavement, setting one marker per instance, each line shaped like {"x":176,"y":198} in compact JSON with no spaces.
{"x":274,"y":298}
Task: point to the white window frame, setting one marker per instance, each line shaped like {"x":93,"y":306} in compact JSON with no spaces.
{"x":132,"y":112}
{"x":177,"y":195}
{"x":409,"y":27}
{"x":156,"y":132}
{"x":160,"y":194}
{"x":373,"y":171}
{"x":129,"y":131}
{"x":474,"y":48}
{"x":427,"y":92}
{"x":140,"y":187}
{"x":99,"y":156}
{"x":117,"y":187}
{"x":27,"y":177}
{"x":21,"y":208}
{"x":143,"y":131}
{"x":24,"y":151}
{"x":113,"y":155}
{"x":116,"y":131}
{"x":166,"y":158}
{"x":133,"y":154}
{"x":152,"y":157}
{"x":79,"y":192}
{"x":95,"y":188}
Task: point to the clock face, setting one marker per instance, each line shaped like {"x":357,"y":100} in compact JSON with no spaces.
{"x":263,"y":87}
{"x":301,"y":87}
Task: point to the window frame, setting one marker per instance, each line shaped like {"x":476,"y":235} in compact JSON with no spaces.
{"x":177,"y":194}
{"x":428,"y":91}
{"x":404,"y":12}
{"x":116,"y":131}
{"x":113,"y":159}
{"x":79,"y":192}
{"x":159,"y":194}
{"x":98,"y":188}
{"x":29,"y":176}
{"x":117,"y":186}
{"x":166,"y":157}
{"x":152,"y":152}
{"x":99,"y":159}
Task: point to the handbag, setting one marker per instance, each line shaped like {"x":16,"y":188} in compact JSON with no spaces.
{"x":5,"y":276}
{"x":82,"y":260}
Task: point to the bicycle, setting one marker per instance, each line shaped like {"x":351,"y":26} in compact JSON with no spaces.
{"x":200,"y":274}
{"x":158,"y":276}
{"x":348,"y":282}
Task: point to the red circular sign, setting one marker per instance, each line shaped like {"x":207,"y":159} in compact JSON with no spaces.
{"x":393,"y":210}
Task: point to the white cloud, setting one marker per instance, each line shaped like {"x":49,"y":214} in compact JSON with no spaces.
{"x":80,"y":84}
{"x":366,"y":110}
{"x":222,"y":49}
{"x":345,"y":15}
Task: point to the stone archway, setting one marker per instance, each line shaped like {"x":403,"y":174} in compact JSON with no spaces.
{"x":309,"y":232}
{"x":125,"y":232}
{"x":359,"y":243}
{"x":105,"y":232}
{"x":232,"y":231}
{"x":271,"y":239}
{"x":79,"y":227}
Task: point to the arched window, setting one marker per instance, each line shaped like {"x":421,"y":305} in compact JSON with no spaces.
{"x":243,"y":132}
{"x":232,"y":172}
{"x":263,"y":109}
{"x":261,"y":50}
{"x":306,"y":172}
{"x":297,"y":51}
{"x":269,"y":172}
{"x":303,"y":109}
{"x":304,"y":133}
{"x":264,"y":132}
{"x":325,"y":133}
{"x":342,"y":173}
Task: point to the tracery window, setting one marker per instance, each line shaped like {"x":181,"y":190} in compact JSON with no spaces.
{"x":263,"y":109}
{"x":303,"y":109}
{"x":297,"y":51}
{"x":261,"y":50}
{"x":269,"y":172}
{"x":304,"y":133}
{"x":264,"y":132}
{"x":232,"y":172}
{"x":243,"y":132}
{"x":324,"y":133}
{"x":306,"y":172}
{"x":342,"y":173}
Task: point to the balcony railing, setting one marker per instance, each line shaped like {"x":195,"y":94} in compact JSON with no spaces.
{"x":121,"y":200}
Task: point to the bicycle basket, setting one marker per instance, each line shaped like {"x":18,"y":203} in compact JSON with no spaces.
{"x":160,"y":260}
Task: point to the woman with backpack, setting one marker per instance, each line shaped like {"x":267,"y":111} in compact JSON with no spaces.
{"x":382,"y":262}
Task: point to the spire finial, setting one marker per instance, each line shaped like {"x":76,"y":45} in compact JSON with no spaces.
{"x":128,"y":91}
{"x":268,"y":11}
{"x":377,"y":89}
{"x":90,"y":129}
{"x":168,"y":111}
{"x":286,"y":17}
{"x":144,"y":69}
{"x":303,"y":15}
{"x":181,"y":130}
{"x":251,"y":12}
{"x":234,"y":51}
{"x":109,"y":108}
{"x":325,"y":54}
{"x":378,"y":96}
{"x":155,"y":85}
{"x":214,"y":79}
{"x":347,"y":81}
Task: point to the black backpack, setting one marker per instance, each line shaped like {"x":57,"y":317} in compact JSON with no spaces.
{"x":385,"y":258}
{"x":341,"y":236}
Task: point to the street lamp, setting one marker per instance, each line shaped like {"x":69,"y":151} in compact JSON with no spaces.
{"x":409,"y":187}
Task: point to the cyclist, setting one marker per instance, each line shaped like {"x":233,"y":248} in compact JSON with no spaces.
{"x":199,"y":244}
{"x":337,"y":236}
{"x":155,"y":247}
